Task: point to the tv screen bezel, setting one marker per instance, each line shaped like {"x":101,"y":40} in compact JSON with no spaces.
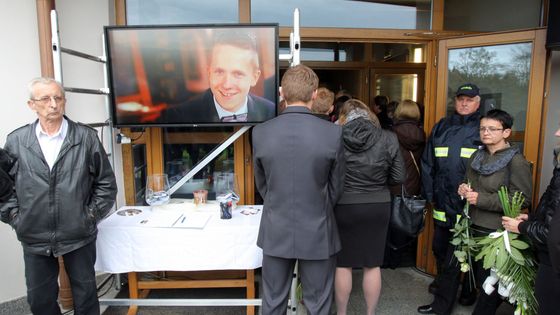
{"x":111,"y":80}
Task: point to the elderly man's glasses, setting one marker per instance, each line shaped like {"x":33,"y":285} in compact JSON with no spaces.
{"x":47,"y":99}
{"x":490,"y":129}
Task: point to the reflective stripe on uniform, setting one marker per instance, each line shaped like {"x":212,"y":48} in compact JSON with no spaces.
{"x":467,"y":152}
{"x":441,"y":151}
{"x":439,"y":215}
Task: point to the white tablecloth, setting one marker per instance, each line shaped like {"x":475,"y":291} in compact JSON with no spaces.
{"x":125,"y":245}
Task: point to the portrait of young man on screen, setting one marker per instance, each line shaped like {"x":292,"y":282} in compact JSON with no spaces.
{"x":232,"y":71}
{"x":193,"y":74}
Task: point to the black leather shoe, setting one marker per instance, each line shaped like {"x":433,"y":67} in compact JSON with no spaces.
{"x":426,"y":309}
{"x":467,"y":300}
{"x":432,"y":288}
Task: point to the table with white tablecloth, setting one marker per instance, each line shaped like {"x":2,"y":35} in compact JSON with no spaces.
{"x":147,"y":239}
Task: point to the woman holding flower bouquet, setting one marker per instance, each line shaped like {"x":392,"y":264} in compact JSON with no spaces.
{"x":536,"y":227}
{"x":497,"y":164}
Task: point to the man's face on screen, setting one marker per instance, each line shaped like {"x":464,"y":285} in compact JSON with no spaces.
{"x":232,"y":73}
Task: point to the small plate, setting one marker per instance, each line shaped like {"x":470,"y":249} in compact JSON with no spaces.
{"x":129,"y":212}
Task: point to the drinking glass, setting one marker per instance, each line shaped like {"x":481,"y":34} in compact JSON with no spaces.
{"x":157,"y":186}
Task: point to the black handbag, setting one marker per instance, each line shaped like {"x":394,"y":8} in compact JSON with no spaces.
{"x":408,"y":214}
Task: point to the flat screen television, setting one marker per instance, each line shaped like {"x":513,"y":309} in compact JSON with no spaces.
{"x":191,"y":75}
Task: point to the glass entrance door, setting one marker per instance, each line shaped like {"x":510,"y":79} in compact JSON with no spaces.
{"x":509,"y":70}
{"x":398,"y":84}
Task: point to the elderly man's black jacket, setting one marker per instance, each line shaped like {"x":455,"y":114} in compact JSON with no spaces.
{"x":56,"y":211}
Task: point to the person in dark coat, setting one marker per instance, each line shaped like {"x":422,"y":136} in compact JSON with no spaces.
{"x":373,"y":162}
{"x":542,"y":227}
{"x":412,"y":140}
{"x":451,"y":143}
{"x":63,"y":187}
{"x":380,"y":109}
{"x":6,"y":182}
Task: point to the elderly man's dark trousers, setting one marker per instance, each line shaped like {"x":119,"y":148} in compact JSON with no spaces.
{"x":41,"y":275}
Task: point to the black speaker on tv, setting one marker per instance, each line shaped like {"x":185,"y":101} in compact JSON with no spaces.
{"x":553,"y":31}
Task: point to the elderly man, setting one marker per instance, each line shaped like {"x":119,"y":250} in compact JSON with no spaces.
{"x":451,"y":143}
{"x":64,"y":186}
{"x":300,"y":176}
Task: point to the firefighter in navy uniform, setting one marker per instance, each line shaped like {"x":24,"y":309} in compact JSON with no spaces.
{"x":451,"y":143}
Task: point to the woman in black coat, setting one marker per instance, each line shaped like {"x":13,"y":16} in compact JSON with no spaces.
{"x":412,"y":139}
{"x":537,"y":226}
{"x":373,"y":162}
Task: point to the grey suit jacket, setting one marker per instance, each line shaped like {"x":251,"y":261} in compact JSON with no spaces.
{"x":299,"y":171}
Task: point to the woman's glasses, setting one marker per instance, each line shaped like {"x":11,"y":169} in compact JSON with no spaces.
{"x":490,"y":129}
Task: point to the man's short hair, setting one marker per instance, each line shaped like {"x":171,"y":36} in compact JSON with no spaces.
{"x":43,"y":80}
{"x":322,"y":104}
{"x":237,"y":38}
{"x":298,"y":84}
{"x":500,"y":115}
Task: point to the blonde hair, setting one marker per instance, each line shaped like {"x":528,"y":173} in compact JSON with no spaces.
{"x":353,"y":106}
{"x":298,"y":84}
{"x":323,"y":102}
{"x":407,"y":109}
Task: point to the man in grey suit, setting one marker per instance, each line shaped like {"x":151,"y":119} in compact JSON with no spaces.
{"x":299,"y":171}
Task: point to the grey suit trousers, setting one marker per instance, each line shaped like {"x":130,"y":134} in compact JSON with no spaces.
{"x":317,"y":278}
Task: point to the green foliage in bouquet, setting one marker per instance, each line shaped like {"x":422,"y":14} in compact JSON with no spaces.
{"x":510,"y":259}
{"x":465,"y":245}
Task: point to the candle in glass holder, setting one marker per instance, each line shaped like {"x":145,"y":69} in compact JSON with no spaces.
{"x":200,"y":196}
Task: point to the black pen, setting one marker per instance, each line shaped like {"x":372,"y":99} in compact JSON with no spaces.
{"x":182,"y":221}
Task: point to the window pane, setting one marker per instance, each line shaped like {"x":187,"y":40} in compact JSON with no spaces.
{"x":181,"y":153}
{"x":311,"y":51}
{"x":490,"y":16}
{"x":397,"y":87}
{"x":344,"y":13}
{"x":399,"y":52}
{"x":502,"y":74}
{"x":139,"y":158}
{"x":140,"y":12}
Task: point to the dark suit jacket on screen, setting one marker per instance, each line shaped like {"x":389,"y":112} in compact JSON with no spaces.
{"x":201,"y":109}
{"x":299,"y":171}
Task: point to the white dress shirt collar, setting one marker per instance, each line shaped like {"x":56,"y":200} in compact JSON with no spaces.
{"x":50,"y":145}
{"x":222,"y":112}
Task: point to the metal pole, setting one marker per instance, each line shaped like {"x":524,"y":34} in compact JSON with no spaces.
{"x":55,"y":39}
{"x":297,"y":40}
